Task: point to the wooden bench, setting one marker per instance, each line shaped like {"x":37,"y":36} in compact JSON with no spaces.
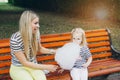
{"x":105,"y":57}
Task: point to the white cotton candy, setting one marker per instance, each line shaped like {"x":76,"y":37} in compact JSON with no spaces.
{"x":67,"y":55}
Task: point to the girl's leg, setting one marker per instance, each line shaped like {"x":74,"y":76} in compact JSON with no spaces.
{"x":84,"y":74}
{"x":79,"y":74}
{"x":19,"y":73}
{"x":75,"y":74}
{"x":36,"y":74}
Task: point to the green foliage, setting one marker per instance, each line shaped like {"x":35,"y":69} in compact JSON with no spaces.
{"x":54,"y":23}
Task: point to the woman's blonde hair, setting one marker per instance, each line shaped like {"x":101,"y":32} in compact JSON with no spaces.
{"x":30,"y":40}
{"x":80,"y":31}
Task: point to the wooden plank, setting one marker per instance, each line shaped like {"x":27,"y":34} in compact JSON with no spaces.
{"x":56,"y":35}
{"x":54,"y":44}
{"x":68,"y":33}
{"x":99,"y":44}
{"x":5,"y":44}
{"x":3,"y":64}
{"x":102,"y":55}
{"x":67,"y":38}
{"x":96,"y":34}
{"x":105,"y":71}
{"x":5,"y":57}
{"x":5,"y":71}
{"x":42,"y":58}
{"x":99,"y":63}
{"x":62,"y":38}
{"x":97,"y":39}
{"x":101,"y":49}
{"x":4,"y":40}
{"x":104,"y":65}
{"x":95,"y":31}
{"x":4,"y":50}
{"x":103,"y":60}
{"x":52,"y":62}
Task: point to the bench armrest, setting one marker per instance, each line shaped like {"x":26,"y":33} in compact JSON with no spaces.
{"x":115,"y":53}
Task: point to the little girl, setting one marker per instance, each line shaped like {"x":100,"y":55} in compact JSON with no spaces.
{"x":79,"y":70}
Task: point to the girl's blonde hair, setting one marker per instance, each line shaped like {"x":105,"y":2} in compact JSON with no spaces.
{"x":30,"y":40}
{"x":80,"y":31}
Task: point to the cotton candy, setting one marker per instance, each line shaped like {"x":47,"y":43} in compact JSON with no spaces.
{"x":67,"y":55}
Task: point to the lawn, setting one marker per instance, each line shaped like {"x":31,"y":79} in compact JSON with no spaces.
{"x":55,"y":23}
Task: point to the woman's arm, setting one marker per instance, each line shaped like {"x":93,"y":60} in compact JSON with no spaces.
{"x":21,"y":57}
{"x":44,"y":50}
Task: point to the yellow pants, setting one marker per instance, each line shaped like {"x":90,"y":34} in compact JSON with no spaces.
{"x":24,"y":73}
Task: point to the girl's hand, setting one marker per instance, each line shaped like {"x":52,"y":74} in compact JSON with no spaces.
{"x":60,"y":71}
{"x":85,"y":65}
{"x":79,"y":58}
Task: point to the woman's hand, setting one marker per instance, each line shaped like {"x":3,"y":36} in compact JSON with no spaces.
{"x":51,"y":68}
{"x":52,"y":51}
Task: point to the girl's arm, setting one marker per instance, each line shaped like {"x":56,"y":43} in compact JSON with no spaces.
{"x":21,"y":57}
{"x":88,"y":62}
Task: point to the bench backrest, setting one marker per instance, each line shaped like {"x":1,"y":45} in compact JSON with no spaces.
{"x":98,"y":42}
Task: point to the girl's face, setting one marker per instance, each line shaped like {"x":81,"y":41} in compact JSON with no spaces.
{"x":77,"y":38}
{"x":35,"y":25}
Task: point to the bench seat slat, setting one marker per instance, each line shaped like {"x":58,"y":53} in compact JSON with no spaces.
{"x":104,"y":65}
{"x":105,"y":71}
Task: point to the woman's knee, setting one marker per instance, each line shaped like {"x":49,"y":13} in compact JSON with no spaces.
{"x":38,"y":75}
{"x":18,"y":73}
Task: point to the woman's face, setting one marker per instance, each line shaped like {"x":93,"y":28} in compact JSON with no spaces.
{"x":35,"y":25}
{"x":77,"y":38}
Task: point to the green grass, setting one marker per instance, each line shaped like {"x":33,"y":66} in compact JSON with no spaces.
{"x":54,"y":23}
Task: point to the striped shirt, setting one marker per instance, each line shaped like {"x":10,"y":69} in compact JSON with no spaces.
{"x":84,"y":54}
{"x":16,"y":45}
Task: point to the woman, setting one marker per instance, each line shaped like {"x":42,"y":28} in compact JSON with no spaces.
{"x":25,"y":45}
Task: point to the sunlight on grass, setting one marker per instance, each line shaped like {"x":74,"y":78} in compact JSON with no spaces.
{"x":9,"y":7}
{"x":3,"y":1}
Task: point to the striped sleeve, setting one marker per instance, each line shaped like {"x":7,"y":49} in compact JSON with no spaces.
{"x":16,"y":43}
{"x":87,"y":52}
